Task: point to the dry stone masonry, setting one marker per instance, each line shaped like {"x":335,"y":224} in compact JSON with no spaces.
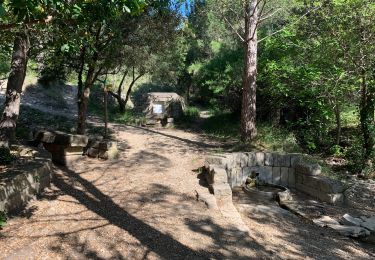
{"x":289,"y":170}
{"x":25,"y":179}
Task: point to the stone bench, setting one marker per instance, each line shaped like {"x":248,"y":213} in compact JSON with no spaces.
{"x":65,"y":148}
{"x":289,"y":170}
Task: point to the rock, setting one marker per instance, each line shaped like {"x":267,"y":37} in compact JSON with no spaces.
{"x":351,"y":231}
{"x":369,"y":224}
{"x":350,"y":221}
{"x":284,"y":196}
{"x":325,"y":221}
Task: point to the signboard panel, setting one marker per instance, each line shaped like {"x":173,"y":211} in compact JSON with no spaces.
{"x":157,"y":109}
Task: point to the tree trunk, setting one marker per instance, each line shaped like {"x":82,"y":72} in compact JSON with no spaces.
{"x":14,"y":88}
{"x":248,"y":112}
{"x":367,"y":120}
{"x":84,"y":100}
{"x":338,"y":123}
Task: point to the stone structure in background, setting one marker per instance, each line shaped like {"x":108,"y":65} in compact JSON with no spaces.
{"x":288,"y":170}
{"x":65,"y":148}
{"x":159,"y":107}
{"x":25,"y":179}
{"x":102,"y":149}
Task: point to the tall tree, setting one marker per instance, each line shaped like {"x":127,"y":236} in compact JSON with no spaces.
{"x":18,"y":15}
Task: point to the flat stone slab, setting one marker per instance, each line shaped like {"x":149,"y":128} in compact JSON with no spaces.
{"x":61,"y":138}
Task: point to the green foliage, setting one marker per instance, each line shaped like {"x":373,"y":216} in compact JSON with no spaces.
{"x":3,"y":219}
{"x":191,"y":112}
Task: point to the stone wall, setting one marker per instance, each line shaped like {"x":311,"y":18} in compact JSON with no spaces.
{"x":289,"y":170}
{"x":23,"y":181}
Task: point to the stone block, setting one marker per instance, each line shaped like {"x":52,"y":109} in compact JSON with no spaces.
{"x":295,"y":159}
{"x":268,"y":159}
{"x":308,"y":169}
{"x":235,"y":178}
{"x":299,"y":178}
{"x":93,"y":152}
{"x":311,"y":181}
{"x":291,"y":178}
{"x":276,"y":176}
{"x":259,"y":159}
{"x":265,"y":174}
{"x":220,"y":175}
{"x":349,"y":220}
{"x":222,"y":193}
{"x":284,"y":175}
{"x":332,"y":198}
{"x":244,"y":159}
{"x":281,"y":160}
{"x":213,"y":159}
{"x":350,"y":231}
{"x":331,"y":186}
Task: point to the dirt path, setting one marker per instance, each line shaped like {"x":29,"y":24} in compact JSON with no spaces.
{"x":142,"y":206}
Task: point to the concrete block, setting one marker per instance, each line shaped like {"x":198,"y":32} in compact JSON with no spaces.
{"x":284,"y":175}
{"x":268,"y":159}
{"x":276,"y":175}
{"x":291,"y":178}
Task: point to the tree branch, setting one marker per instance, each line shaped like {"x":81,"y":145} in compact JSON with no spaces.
{"x":282,"y":29}
{"x":234,"y":29}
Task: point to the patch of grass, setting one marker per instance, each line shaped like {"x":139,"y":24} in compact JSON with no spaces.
{"x":350,"y":116}
{"x":222,"y":126}
{"x":276,"y":139}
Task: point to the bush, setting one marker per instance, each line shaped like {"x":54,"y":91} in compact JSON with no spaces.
{"x":3,"y":219}
{"x":191,"y":112}
{"x":5,"y":156}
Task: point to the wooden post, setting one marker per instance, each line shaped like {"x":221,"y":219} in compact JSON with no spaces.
{"x":105,"y":112}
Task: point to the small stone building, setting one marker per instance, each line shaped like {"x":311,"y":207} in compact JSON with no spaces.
{"x":159,"y":106}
